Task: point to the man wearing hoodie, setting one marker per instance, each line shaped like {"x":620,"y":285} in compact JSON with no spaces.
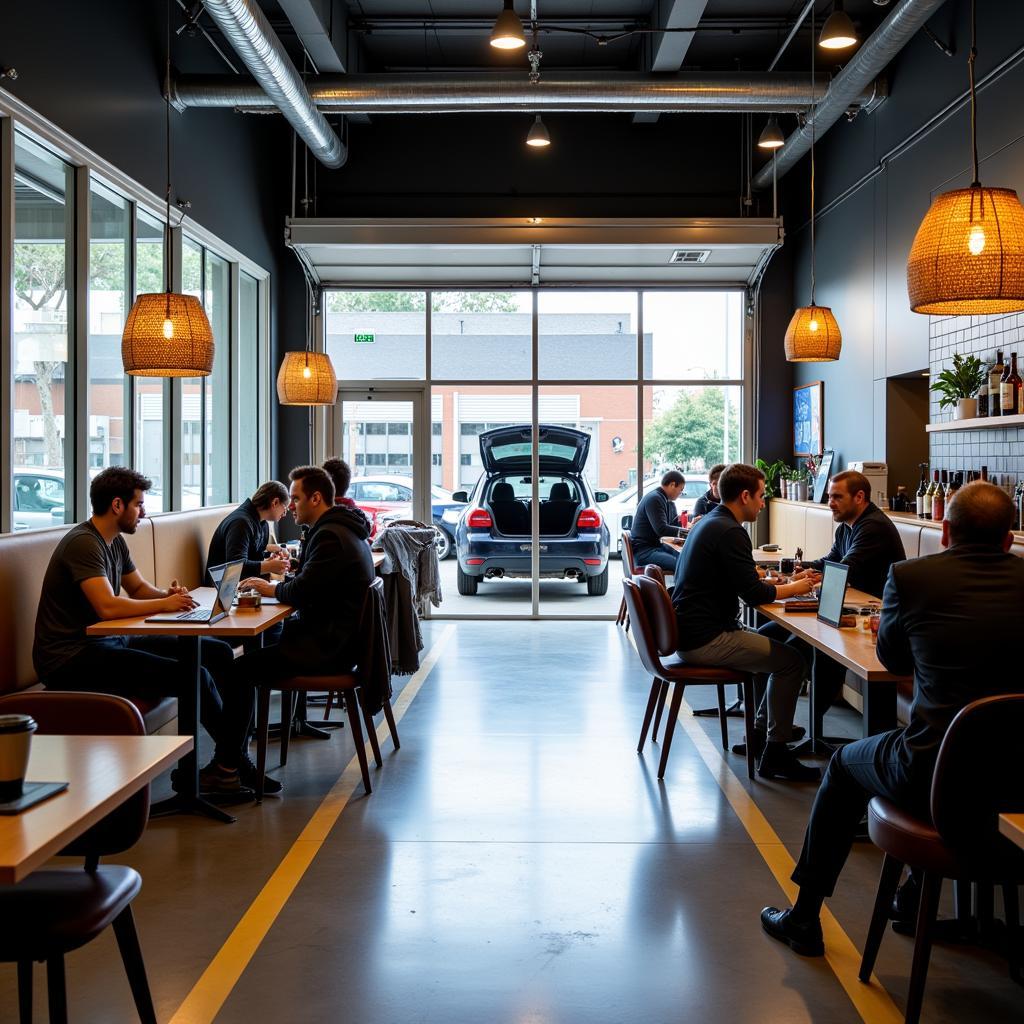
{"x":327,"y":592}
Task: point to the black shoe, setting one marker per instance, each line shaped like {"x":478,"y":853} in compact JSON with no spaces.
{"x":904,"y":905}
{"x":248,"y":774}
{"x":759,"y":742}
{"x":779,"y":762}
{"x":803,"y":937}
{"x":217,"y":781}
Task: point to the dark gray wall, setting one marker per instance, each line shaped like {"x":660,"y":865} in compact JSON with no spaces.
{"x":863,"y":240}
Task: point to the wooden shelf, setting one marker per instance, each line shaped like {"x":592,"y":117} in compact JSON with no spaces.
{"x":980,"y":423}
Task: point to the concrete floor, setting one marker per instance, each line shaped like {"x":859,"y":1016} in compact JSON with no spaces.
{"x":516,"y":862}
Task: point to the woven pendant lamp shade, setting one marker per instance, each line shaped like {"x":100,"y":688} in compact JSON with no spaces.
{"x":968,"y":254}
{"x":296,"y":386}
{"x":146,"y":349}
{"x":813,"y":336}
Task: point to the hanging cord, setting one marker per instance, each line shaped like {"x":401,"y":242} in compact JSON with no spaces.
{"x":972,"y":56}
{"x":167,"y":140}
{"x":813,"y":110}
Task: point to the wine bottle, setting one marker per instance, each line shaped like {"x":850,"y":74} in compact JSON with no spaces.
{"x":933,"y":493}
{"x":995,"y":376}
{"x":939,"y":501}
{"x":1010,"y":388}
{"x":922,"y":490}
{"x":984,"y":474}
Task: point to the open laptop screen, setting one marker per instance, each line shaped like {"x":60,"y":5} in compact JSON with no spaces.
{"x":833,"y":592}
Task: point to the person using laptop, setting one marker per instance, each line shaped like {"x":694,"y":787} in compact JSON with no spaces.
{"x":655,"y":517}
{"x":716,"y":569}
{"x":945,"y":617}
{"x":327,"y":592}
{"x":83,"y":582}
{"x":868,"y":542}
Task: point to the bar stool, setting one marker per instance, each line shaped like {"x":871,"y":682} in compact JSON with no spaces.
{"x":651,"y":610}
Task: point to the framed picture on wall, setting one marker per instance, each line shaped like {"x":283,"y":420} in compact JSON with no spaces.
{"x":808,"y":419}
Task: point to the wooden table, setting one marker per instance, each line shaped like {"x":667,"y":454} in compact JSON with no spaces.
{"x":238,"y":624}
{"x":760,"y":557}
{"x":854,"y":649}
{"x":1012,"y":826}
{"x":103,"y":771}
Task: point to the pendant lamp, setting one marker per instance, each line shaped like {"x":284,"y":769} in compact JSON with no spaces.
{"x":507,"y":33}
{"x":838,"y":32}
{"x":307,"y":377}
{"x":813,"y":335}
{"x":167,"y":334}
{"x":538,"y":136}
{"x":968,"y":253}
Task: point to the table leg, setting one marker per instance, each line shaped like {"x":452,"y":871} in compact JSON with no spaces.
{"x":815,"y":742}
{"x":187,"y":800}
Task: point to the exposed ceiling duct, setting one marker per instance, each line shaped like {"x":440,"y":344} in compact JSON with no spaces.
{"x":247,"y":29}
{"x":863,"y":68}
{"x":503,"y":93}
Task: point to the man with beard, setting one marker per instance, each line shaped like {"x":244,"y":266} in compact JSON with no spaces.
{"x":87,"y":571}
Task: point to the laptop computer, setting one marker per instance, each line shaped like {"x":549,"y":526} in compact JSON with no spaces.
{"x":834,"y":582}
{"x":226,"y":578}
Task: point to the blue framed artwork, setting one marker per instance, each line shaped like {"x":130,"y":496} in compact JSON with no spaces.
{"x":808,"y":419}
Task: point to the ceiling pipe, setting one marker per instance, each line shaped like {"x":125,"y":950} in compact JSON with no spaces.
{"x":683,"y":92}
{"x":862,"y":68}
{"x":245,"y":26}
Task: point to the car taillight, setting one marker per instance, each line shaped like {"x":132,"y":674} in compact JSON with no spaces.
{"x":589,"y":519}
{"x":479,"y":519}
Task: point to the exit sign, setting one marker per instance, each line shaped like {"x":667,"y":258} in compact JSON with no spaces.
{"x":363,"y":339}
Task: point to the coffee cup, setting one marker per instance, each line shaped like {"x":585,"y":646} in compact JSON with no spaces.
{"x":786,"y":566}
{"x":15,"y":743}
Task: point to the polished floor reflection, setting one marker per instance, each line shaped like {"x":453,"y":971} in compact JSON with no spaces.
{"x":516,"y":862}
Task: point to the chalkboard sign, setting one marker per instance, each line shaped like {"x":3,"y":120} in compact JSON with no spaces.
{"x":820,"y":491}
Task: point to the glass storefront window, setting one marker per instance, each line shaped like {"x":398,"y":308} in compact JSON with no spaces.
{"x":43,"y":282}
{"x":217,"y":399}
{"x":481,"y":335}
{"x":693,"y":335}
{"x":248,"y":419}
{"x":589,"y":335}
{"x":374,"y":335}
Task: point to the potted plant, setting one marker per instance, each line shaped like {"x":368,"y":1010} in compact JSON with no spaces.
{"x":959,"y":385}
{"x":772,"y":475}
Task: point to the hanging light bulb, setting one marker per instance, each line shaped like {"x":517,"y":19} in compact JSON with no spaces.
{"x":507,"y":33}
{"x":952,"y":268}
{"x":157,"y":318}
{"x":838,"y":32}
{"x":771,"y":135}
{"x":538,"y":134}
{"x":307,"y":378}
{"x":813,"y":334}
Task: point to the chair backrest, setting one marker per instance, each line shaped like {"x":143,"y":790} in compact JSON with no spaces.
{"x":655,"y":572}
{"x":978,"y":774}
{"x":90,"y":714}
{"x":653,"y":620}
{"x":373,"y":667}
{"x":628,"y":562}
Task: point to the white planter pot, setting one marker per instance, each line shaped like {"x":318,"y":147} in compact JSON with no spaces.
{"x":966,"y":409}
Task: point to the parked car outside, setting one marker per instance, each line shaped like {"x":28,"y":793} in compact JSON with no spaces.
{"x":387,"y":498}
{"x":492,"y":536}
{"x":38,"y":498}
{"x":619,"y":509}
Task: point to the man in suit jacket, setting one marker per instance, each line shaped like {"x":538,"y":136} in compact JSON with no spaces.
{"x":655,"y":517}
{"x":946,"y":617}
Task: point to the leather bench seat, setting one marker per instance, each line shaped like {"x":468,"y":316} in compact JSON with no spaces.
{"x":166,"y":547}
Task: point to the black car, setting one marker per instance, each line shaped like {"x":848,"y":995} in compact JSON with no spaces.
{"x":493,"y":536}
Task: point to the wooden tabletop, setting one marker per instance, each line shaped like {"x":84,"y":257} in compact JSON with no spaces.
{"x":238,"y":622}
{"x":1012,"y":826}
{"x":760,"y":557}
{"x":103,"y":771}
{"x":853,"y":648}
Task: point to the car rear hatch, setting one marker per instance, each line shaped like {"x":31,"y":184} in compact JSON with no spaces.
{"x":508,"y":449}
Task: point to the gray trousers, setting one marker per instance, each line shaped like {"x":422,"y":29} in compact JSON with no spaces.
{"x":752,"y":652}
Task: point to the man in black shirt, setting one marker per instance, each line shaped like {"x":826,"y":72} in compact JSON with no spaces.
{"x":869,"y":543}
{"x":716,"y":568}
{"x":245,"y":533}
{"x":945,"y":617}
{"x":656,"y":517}
{"x":88,"y":569}
{"x":710,"y":498}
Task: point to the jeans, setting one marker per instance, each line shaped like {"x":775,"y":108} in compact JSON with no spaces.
{"x":857,"y":772}
{"x":753,"y":652}
{"x":152,"y":667}
{"x":656,"y":556}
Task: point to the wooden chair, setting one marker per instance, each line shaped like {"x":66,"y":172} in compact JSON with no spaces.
{"x":655,"y":632}
{"x":628,"y":571}
{"x":977,"y":776}
{"x":57,"y":910}
{"x":373,"y":658}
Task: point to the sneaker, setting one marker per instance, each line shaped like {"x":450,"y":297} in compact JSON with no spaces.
{"x":779,"y":762}
{"x":217,"y":781}
{"x":248,"y":774}
{"x":803,"y":937}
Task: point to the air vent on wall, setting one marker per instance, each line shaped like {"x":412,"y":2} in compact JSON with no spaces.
{"x":690,"y":256}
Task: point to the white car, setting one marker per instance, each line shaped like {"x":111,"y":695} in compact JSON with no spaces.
{"x":618,"y":510}
{"x":38,"y":498}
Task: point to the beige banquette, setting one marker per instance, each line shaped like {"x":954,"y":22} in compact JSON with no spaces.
{"x":794,"y":524}
{"x":164,"y":547}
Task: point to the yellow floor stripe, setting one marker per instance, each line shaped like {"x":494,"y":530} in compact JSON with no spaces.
{"x":872,"y":1002}
{"x":211,"y":991}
